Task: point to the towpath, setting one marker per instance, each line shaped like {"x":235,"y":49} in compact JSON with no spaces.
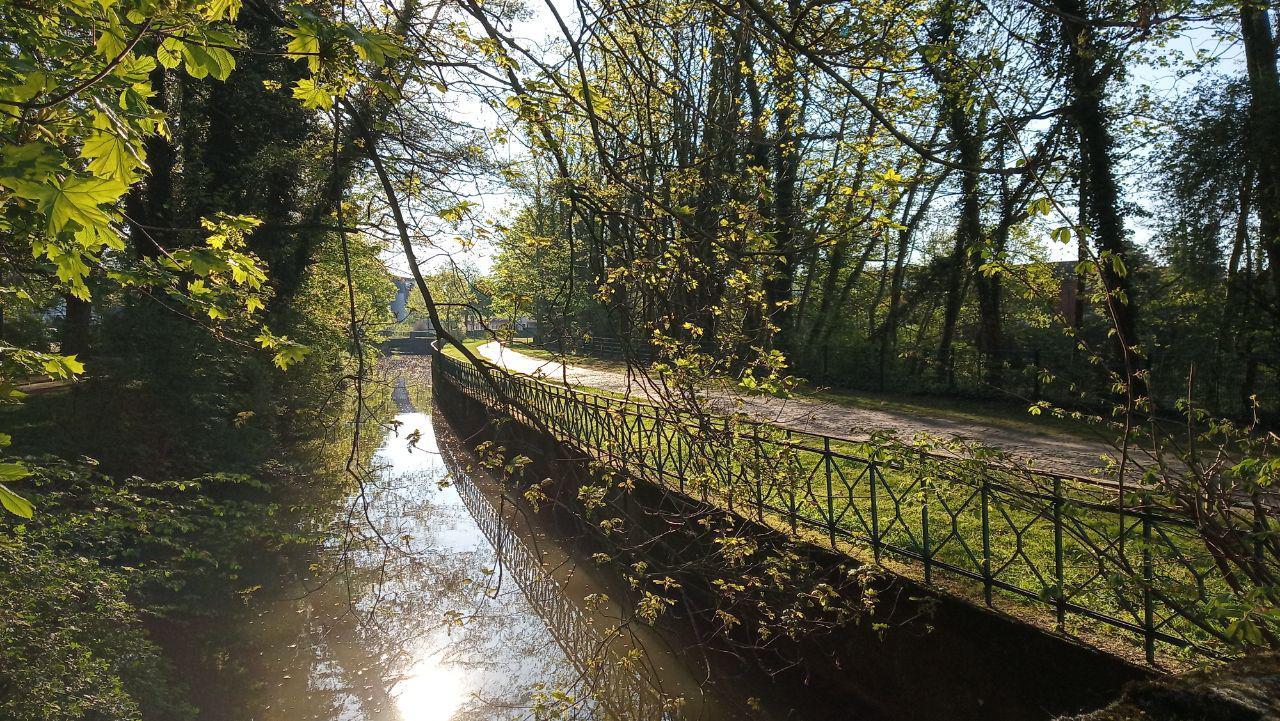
{"x":1049,"y":450}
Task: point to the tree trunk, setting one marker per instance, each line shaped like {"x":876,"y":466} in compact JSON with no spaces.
{"x":758,"y":163}
{"x":150,"y":203}
{"x":76,"y":327}
{"x":716,"y":161}
{"x":786,"y":166}
{"x":1264,"y":129}
{"x":968,"y":231}
{"x":990,"y":333}
{"x":1086,"y":83}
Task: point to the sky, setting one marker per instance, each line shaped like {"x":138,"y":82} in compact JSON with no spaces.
{"x":494,"y":203}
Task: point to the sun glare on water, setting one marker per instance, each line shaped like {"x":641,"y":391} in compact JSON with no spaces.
{"x":432,"y":692}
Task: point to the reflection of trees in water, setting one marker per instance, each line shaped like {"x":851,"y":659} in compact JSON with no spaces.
{"x":613,"y":682}
{"x":430,"y":595}
{"x":410,"y":596}
{"x":415,"y":586}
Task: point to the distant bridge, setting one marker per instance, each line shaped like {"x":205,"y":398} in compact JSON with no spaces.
{"x":415,"y":342}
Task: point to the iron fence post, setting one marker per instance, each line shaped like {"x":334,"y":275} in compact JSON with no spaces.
{"x":986,"y":538}
{"x":791,"y":501}
{"x":755,"y":442}
{"x":681,"y":463}
{"x":704,"y":430}
{"x":831,"y":508}
{"x":728,"y":470}
{"x":1148,"y":577}
{"x":924,"y":529}
{"x":875,"y":516}
{"x":657,"y":445}
{"x":1059,"y":574}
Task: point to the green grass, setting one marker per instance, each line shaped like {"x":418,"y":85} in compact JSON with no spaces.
{"x":472,"y":344}
{"x":1020,"y":546}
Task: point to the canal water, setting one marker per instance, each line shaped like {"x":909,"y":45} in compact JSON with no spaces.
{"x":444,"y":599}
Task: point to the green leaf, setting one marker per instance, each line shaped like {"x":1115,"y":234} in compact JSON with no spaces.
{"x":207,"y":61}
{"x":111,"y":42}
{"x":110,"y":156}
{"x":31,"y":163}
{"x":375,"y":47}
{"x":220,"y":9}
{"x":305,"y":45}
{"x":169,"y":54}
{"x":223,"y":59}
{"x":1118,"y":266}
{"x":13,"y":471}
{"x":196,"y":61}
{"x":1040,"y":206}
{"x":78,"y":199}
{"x":456,"y":213}
{"x":135,"y":69}
{"x":73,"y":366}
{"x":313,"y":95}
{"x":15,"y":504}
{"x":33,"y":84}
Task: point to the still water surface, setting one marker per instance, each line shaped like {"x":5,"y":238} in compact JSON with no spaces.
{"x":451,"y":603}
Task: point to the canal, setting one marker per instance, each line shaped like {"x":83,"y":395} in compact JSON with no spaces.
{"x":444,"y":597}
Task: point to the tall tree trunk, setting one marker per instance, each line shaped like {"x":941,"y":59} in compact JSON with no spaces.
{"x":780,"y":280}
{"x":757,"y":166}
{"x":968,"y":230}
{"x":1236,"y":327}
{"x":846,"y":290}
{"x":806,"y":291}
{"x":1264,"y":128}
{"x":1234,"y":307}
{"x":835,"y":263}
{"x":1086,"y":83}
{"x":989,"y":285}
{"x":150,"y":203}
{"x":988,"y":288}
{"x":716,"y":160}
{"x":76,"y":326}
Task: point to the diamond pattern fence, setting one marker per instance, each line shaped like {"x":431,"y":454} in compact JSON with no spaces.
{"x":1073,"y":554}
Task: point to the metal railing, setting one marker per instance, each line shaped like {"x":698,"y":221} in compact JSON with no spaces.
{"x":1084,"y":558}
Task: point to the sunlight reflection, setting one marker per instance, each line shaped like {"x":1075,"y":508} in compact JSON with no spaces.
{"x":431,"y":692}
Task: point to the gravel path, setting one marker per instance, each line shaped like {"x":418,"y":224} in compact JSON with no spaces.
{"x":1059,"y":452}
